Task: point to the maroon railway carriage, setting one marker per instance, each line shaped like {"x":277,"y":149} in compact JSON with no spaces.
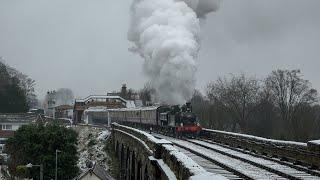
{"x":174,"y":119}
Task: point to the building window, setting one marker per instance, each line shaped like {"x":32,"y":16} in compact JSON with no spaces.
{"x":7,"y":127}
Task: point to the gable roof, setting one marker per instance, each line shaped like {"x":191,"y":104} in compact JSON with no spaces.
{"x":100,"y":96}
{"x":18,"y":117}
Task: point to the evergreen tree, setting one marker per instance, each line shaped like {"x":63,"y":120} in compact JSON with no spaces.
{"x":12,"y":97}
{"x":37,"y":144}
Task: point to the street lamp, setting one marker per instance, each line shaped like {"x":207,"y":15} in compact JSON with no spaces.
{"x":41,"y":169}
{"x":56,"y":173}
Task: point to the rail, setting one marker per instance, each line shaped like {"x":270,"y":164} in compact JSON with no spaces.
{"x":164,"y":154}
{"x":304,"y":153}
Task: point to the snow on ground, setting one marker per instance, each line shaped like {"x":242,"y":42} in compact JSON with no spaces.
{"x":185,"y":160}
{"x":103,"y":135}
{"x":91,"y":142}
{"x":315,"y":142}
{"x":256,"y":138}
{"x":243,"y":167}
{"x":207,"y":176}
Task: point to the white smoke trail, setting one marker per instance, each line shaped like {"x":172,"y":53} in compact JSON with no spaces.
{"x":166,"y":34}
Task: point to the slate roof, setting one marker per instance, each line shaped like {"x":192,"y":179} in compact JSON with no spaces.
{"x":18,"y":117}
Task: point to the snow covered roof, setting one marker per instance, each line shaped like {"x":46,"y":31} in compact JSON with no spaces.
{"x":96,"y":109}
{"x":100,"y":96}
{"x":105,"y":109}
{"x":130,"y":104}
{"x":148,"y":108}
{"x":63,"y":106}
{"x":18,"y":117}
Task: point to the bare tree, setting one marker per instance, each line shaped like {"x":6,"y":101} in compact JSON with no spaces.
{"x":28,"y":85}
{"x":290,"y":91}
{"x":146,"y":94}
{"x":209,"y":114}
{"x":237,"y":95}
{"x":62,"y":96}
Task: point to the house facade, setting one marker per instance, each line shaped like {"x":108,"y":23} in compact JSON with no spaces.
{"x":9,"y":123}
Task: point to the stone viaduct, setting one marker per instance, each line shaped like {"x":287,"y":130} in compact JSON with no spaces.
{"x":143,"y":157}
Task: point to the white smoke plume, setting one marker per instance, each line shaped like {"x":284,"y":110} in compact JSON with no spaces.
{"x":166,"y":34}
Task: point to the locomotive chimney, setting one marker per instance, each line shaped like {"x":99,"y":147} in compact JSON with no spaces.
{"x":189,"y":107}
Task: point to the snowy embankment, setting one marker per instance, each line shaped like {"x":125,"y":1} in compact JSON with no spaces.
{"x":91,"y":143}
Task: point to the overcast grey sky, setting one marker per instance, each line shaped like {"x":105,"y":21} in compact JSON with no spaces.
{"x":83,"y":44}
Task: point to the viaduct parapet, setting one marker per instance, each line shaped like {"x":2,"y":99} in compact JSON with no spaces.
{"x":142,"y":156}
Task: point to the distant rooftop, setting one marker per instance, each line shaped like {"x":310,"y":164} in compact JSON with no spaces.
{"x":18,"y":117}
{"x":100,"y":96}
{"x":65,"y":106}
{"x":104,"y":109}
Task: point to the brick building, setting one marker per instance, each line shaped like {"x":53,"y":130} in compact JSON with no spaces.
{"x":63,"y":111}
{"x":109,"y":102}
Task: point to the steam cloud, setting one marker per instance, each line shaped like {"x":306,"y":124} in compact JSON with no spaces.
{"x":166,"y":34}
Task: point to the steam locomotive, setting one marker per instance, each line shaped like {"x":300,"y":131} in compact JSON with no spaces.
{"x":180,"y":120}
{"x":176,"y":120}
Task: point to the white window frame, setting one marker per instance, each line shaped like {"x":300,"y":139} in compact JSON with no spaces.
{"x":5,"y":126}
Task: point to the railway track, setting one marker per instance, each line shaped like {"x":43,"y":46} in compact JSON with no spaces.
{"x":296,"y":166}
{"x":210,"y":166}
{"x":235,"y":164}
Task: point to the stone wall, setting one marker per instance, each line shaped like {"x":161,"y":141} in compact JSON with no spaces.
{"x":144,"y":156}
{"x":305,"y":153}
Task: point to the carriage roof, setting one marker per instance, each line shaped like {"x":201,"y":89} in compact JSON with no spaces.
{"x":104,"y":109}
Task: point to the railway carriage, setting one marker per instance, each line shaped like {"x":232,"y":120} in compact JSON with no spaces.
{"x":171,"y":119}
{"x":146,"y":115}
{"x":175,"y":120}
